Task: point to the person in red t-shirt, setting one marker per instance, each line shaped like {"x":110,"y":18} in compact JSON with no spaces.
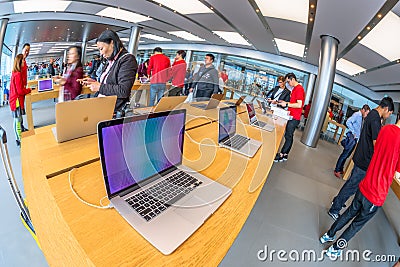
{"x":159,"y":73}
{"x":178,"y":74}
{"x":373,"y":189}
{"x":18,"y":91}
{"x":224,"y":75}
{"x":295,"y":107}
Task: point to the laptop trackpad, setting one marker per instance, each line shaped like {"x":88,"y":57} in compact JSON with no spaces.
{"x":194,"y":209}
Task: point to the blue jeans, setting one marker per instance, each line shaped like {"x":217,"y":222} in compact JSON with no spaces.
{"x":343,"y":157}
{"x":361,"y":209}
{"x":156,"y":89}
{"x":348,"y":189}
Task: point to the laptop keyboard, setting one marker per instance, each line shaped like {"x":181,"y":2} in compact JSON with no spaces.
{"x":236,"y":141}
{"x":259,"y":123}
{"x":153,"y":201}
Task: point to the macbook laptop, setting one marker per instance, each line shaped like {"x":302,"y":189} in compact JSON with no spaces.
{"x":165,"y":104}
{"x":237,"y":103}
{"x":213,"y":103}
{"x":45,"y":85}
{"x":164,"y":201}
{"x":79,"y":118}
{"x":228,"y":138}
{"x":253,"y":119}
{"x":144,"y":80}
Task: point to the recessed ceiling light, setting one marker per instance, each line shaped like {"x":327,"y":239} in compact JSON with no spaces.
{"x":232,"y":37}
{"x":273,"y":8}
{"x":155,"y":37}
{"x":290,"y":47}
{"x":40,"y":6}
{"x":312,"y":6}
{"x":348,"y":67}
{"x":185,"y":6}
{"x":311,"y":19}
{"x":115,"y":13}
{"x":186,"y":35}
{"x":368,"y":28}
{"x":257,"y":10}
{"x":379,"y":16}
{"x":359,"y":37}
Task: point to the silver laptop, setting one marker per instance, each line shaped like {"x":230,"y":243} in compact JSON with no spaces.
{"x":254,"y":121}
{"x":237,"y":103}
{"x":45,"y":85}
{"x":165,"y":104}
{"x":164,"y":201}
{"x":213,"y":103}
{"x":78,"y":118}
{"x":228,"y":138}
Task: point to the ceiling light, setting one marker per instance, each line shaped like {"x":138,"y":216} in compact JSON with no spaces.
{"x":65,"y":44}
{"x":384,"y":31}
{"x":359,"y":37}
{"x":273,"y":8}
{"x":185,"y":6}
{"x":379,"y":16}
{"x":311,"y":19}
{"x":36,"y":45}
{"x":116,"y":13}
{"x":186,"y":35}
{"x":312,"y":6}
{"x":368,"y":28}
{"x":40,"y":6}
{"x":155,"y":37}
{"x":348,"y":67}
{"x":232,"y":37}
{"x":257,"y":10}
{"x":290,"y":47}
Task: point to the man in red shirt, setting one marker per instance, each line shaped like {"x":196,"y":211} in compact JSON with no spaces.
{"x":373,"y":189}
{"x":178,"y":74}
{"x":224,"y":75}
{"x":158,"y":70}
{"x":295,"y":107}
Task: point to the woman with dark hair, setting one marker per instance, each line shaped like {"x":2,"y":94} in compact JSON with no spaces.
{"x":72,"y":88}
{"x":118,"y":74}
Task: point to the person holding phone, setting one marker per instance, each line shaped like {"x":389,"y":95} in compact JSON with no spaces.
{"x":74,"y":73}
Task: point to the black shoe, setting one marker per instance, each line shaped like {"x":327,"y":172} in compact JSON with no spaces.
{"x":284,"y":157}
{"x":23,"y":129}
{"x":18,"y":142}
{"x":278,"y":157}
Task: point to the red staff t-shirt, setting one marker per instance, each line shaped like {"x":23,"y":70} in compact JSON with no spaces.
{"x":297,"y":94}
{"x":385,"y":161}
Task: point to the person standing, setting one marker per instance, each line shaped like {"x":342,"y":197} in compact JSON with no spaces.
{"x":295,"y":107}
{"x":354,"y":124}
{"x":178,"y":74}
{"x":372,"y":191}
{"x":158,"y":71}
{"x":26,"y":48}
{"x":93,"y":68}
{"x":224,"y":75}
{"x":280,"y":92}
{"x":18,"y":90}
{"x":73,"y":88}
{"x":142,"y":73}
{"x":205,"y":81}
{"x":363,"y":154}
{"x":50,"y":68}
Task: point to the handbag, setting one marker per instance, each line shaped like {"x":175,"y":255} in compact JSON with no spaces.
{"x":349,"y":141}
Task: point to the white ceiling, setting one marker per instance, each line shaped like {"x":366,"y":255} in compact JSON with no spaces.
{"x":343,"y":19}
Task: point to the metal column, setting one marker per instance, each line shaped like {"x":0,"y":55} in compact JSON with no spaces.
{"x":310,"y":88}
{"x":322,"y":91}
{"x":134,"y":40}
{"x":84,"y":44}
{"x":3,"y":28}
{"x":15,"y":51}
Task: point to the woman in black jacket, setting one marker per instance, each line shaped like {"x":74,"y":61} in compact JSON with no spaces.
{"x":118,"y":74}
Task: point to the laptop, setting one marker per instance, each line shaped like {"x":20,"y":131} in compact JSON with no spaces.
{"x":237,"y":103}
{"x":165,"y":104}
{"x":213,"y":103}
{"x":144,"y":80}
{"x":78,"y":118}
{"x":254,"y":121}
{"x":164,"y":201}
{"x":228,"y":138}
{"x":45,"y":85}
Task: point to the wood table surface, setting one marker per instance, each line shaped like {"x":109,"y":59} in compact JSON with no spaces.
{"x":338,"y":125}
{"x":74,"y":234}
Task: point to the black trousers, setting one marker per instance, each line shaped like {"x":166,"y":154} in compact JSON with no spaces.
{"x":289,"y":132}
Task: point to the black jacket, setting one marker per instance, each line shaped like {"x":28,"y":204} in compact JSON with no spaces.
{"x":285,"y":95}
{"x":120,"y":79}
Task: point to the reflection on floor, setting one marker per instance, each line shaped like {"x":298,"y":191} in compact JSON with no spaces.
{"x":290,"y":213}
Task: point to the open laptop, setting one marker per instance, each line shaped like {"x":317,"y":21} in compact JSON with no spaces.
{"x":237,"y":103}
{"x":228,"y":138}
{"x":213,"y":103}
{"x":164,"y":201}
{"x":165,"y":104}
{"x":45,"y":85}
{"x":254,"y":121}
{"x":144,"y":80}
{"x":78,"y":118}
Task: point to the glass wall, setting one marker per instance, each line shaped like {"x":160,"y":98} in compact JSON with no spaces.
{"x":5,"y":73}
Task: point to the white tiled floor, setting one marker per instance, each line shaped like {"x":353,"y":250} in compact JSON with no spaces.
{"x":289,"y":214}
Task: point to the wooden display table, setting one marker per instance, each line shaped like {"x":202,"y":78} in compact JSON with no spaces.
{"x":338,"y":125}
{"x":74,"y":234}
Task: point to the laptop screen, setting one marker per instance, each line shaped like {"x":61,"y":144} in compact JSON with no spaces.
{"x":45,"y":85}
{"x":227,"y":122}
{"x":134,"y":150}
{"x":251,"y":112}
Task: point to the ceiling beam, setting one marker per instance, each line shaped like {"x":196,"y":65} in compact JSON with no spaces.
{"x":312,"y":10}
